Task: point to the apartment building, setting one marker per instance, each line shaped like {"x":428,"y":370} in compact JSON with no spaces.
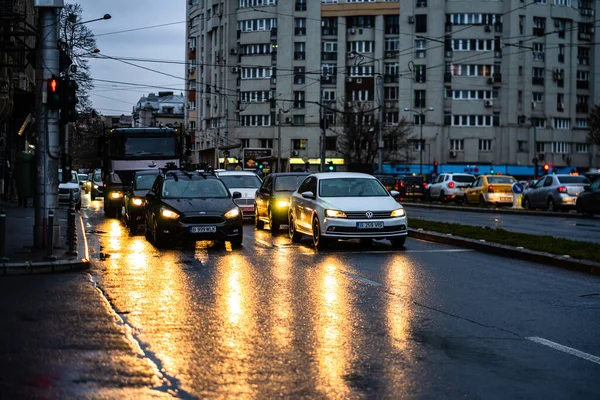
{"x":507,"y":81}
{"x":162,"y":109}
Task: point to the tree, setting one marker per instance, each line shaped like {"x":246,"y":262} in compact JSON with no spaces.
{"x":594,"y":123}
{"x":79,"y":42}
{"x":84,"y":136}
{"x":357,"y":128}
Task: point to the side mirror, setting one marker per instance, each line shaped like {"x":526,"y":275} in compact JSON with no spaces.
{"x":236,"y":195}
{"x":394,"y":193}
{"x":308,"y":195}
{"x":150,"y":196}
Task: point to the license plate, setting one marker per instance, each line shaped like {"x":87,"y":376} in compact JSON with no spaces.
{"x":505,"y":199}
{"x":370,"y":225}
{"x":203,"y":229}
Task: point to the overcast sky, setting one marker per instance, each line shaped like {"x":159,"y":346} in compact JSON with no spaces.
{"x":165,"y":43}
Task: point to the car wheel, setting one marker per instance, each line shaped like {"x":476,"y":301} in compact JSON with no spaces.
{"x":482,"y":201}
{"x":237,"y":242}
{"x":398,"y":242}
{"x":274,"y":226}
{"x":551,"y":206}
{"x":526,"y":203}
{"x":318,"y":240}
{"x":158,"y":239}
{"x":295,"y":236}
{"x":465,"y":201}
{"x":258,"y":223}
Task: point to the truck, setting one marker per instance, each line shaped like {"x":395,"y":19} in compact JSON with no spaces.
{"x":126,"y":150}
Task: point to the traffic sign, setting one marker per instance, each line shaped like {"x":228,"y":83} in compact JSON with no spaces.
{"x":517,"y":188}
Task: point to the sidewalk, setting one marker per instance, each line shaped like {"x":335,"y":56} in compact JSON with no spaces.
{"x":23,"y":258}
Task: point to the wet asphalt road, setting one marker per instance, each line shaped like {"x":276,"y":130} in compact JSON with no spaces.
{"x":584,"y":229}
{"x":275,"y":319}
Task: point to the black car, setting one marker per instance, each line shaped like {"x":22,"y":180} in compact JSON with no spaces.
{"x":191,"y":206}
{"x":97,"y":189}
{"x":588,"y":201}
{"x":272,"y":199}
{"x":411,"y":186}
{"x":135,"y":197}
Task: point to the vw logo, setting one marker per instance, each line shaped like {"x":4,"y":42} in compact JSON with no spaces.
{"x":202,"y":212}
{"x":369,"y":214}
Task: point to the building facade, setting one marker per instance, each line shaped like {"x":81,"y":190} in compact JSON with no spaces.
{"x":485,"y":83}
{"x":165,"y":109}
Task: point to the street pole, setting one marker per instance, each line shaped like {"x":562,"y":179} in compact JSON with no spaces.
{"x":381,"y":116}
{"x":535,"y":155}
{"x":226,"y":134}
{"x":421,"y":144}
{"x":47,"y":147}
{"x":279,"y":117}
{"x":322,"y":124}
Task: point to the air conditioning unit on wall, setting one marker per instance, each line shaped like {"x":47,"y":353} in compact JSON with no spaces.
{"x":488,"y":103}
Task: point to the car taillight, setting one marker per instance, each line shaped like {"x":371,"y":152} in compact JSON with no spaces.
{"x":402,"y":184}
{"x":451,"y":185}
{"x":561,"y":189}
{"x":396,"y":186}
{"x":491,"y":189}
{"x":424,"y":185}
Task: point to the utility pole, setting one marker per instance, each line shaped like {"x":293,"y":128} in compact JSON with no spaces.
{"x":226,"y":134}
{"x":323,"y":125}
{"x":279,"y":118}
{"x":47,"y":147}
{"x":381,"y":116}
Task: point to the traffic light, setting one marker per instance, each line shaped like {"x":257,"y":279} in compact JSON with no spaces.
{"x":331,"y":167}
{"x":68,"y":112}
{"x":65,"y":165}
{"x":54,"y":93}
{"x":546,"y":168}
{"x":492,"y":172}
{"x":435,"y":167}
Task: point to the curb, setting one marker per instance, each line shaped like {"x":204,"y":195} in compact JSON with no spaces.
{"x":498,"y":211}
{"x":585,"y":266}
{"x":46,"y":267}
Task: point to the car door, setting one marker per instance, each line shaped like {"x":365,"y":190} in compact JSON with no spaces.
{"x":297,"y":202}
{"x":152,"y":206}
{"x":534,"y":193}
{"x":263,"y":195}
{"x":436,"y":187}
{"x":472,"y":194}
{"x":545,"y":190}
{"x":591,"y":200}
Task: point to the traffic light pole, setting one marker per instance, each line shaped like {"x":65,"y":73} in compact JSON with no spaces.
{"x":47,"y":146}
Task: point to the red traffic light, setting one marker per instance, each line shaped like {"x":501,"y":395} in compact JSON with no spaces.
{"x":53,"y":85}
{"x":435,"y":163}
{"x":546,"y":167}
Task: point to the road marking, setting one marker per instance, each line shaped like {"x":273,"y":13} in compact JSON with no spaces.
{"x":360,"y":278}
{"x":565,"y":349}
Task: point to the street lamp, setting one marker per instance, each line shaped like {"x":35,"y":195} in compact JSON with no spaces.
{"x":421,"y":114}
{"x":379,"y":74}
{"x":73,"y":19}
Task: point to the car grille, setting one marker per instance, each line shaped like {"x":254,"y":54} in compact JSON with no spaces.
{"x":64,"y":191}
{"x":244,"y":202}
{"x":202,"y":220}
{"x":353,"y":229}
{"x":362,"y":214}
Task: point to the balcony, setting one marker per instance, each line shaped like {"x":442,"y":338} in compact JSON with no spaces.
{"x":329,"y":56}
{"x":392,"y":29}
{"x":581,"y":108}
{"x":300,"y":31}
{"x":299,"y":55}
{"x":273,"y":32}
{"x":329,"y":31}
{"x":389,"y":78}
{"x":539,"y":31}
{"x":391,"y":54}
{"x":583,"y":84}
{"x":536,"y":80}
{"x":584,"y":36}
{"x":329,"y":80}
{"x":300,"y":6}
{"x":582,"y":60}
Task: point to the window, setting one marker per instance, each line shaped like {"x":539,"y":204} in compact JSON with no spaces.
{"x":522,"y":146}
{"x":582,"y":123}
{"x":251,"y":25}
{"x":538,"y":51}
{"x":419,"y":119}
{"x":329,"y":26}
{"x":299,"y":99}
{"x":255,"y":120}
{"x":485,"y":145}
{"x":582,"y":147}
{"x":328,"y":69}
{"x":361,"y":46}
{"x":245,"y":143}
{"x":456,"y":144}
{"x":392,"y":44}
{"x":542,"y":147}
{"x":538,"y":122}
{"x":392,"y":24}
{"x":560,"y":102}
{"x":299,"y":77}
{"x":358,"y":71}
{"x":259,"y":96}
{"x":300,"y":26}
{"x":537,"y":97}
{"x":362,"y":21}
{"x":299,"y":144}
{"x":300,"y":5}
{"x":391,"y":93}
{"x":328,"y":94}
{"x":561,"y":147}
{"x":330,"y":46}
{"x":361,"y":95}
{"x":256,"y":73}
{"x":420,"y":99}
{"x":473,"y":120}
{"x":421,"y":23}
{"x":298,"y":120}
{"x":561,"y":53}
{"x":266,"y":143}
{"x":299,"y":50}
{"x":583,"y":55}
{"x":561,"y":123}
{"x":256,"y":3}
{"x":192,"y":125}
{"x":420,"y":74}
{"x":391,"y":118}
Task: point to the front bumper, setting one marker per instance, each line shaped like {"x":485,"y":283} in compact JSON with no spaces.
{"x":228,"y":229}
{"x":498,"y":197}
{"x":343,"y":228}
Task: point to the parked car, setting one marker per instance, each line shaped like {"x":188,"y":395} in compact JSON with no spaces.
{"x":135,"y":197}
{"x":410,"y":186}
{"x":345,"y":205}
{"x":246,"y":183}
{"x":191,"y":206}
{"x":488,"y":189}
{"x":84,"y":184}
{"x":449,"y":186}
{"x":588,"y":201}
{"x":554,"y":192}
{"x":65,"y":189}
{"x":273,"y":199}
{"x":97,"y":185}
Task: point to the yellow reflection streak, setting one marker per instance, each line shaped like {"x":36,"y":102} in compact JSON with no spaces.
{"x":115,"y":234}
{"x":400,"y":283}
{"x":333,"y":330}
{"x":282,"y":301}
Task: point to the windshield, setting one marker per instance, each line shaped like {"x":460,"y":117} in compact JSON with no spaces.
{"x":500,"y":179}
{"x":574,"y":179}
{"x":73,"y":177}
{"x":351,"y":187}
{"x":144,"y":182}
{"x":463,"y":178}
{"x":194,"y":188}
{"x":144,"y":146}
{"x":82,"y":177}
{"x":288,"y":183}
{"x":97,"y":177}
{"x":241,"y":181}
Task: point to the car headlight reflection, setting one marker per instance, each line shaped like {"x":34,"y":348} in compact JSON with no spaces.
{"x":283,"y":203}
{"x":335,"y":214}
{"x":137,"y":202}
{"x":398,"y":213}
{"x":233,"y":213}
{"x":168,"y":213}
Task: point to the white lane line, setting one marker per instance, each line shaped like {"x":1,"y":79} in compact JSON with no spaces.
{"x":360,"y":278}
{"x":565,"y":349}
{"x":439,"y":251}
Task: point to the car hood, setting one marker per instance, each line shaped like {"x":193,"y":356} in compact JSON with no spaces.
{"x":213,"y":206}
{"x":140,"y":193}
{"x":246,"y":192}
{"x":360,"y":203}
{"x":68,"y":186}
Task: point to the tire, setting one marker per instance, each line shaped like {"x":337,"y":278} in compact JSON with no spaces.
{"x":318,"y":240}
{"x":526,"y":203}
{"x":442,"y":197}
{"x":482,"y":201}
{"x":158,"y":240}
{"x":551,"y":206}
{"x":398,"y":242}
{"x":258,"y":223}
{"x":237,"y":242}
{"x":295,"y":236}
{"x":465,"y":201}
{"x":274,"y":227}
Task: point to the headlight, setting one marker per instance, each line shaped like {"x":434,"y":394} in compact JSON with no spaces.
{"x":234,"y":212}
{"x":137,"y":202}
{"x":335,"y":214}
{"x":116,"y":195}
{"x":95,"y":186}
{"x":398,"y":213}
{"x":283,"y":203}
{"x":168,"y":213}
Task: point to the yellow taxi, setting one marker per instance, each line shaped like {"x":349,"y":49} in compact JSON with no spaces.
{"x":487,"y":189}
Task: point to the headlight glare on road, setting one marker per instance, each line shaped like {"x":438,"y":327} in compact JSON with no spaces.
{"x":116,"y":195}
{"x":335,"y":214}
{"x":283,"y":203}
{"x":234,"y":212}
{"x":168,"y":213}
{"x":398,"y":213}
{"x":137,"y":202}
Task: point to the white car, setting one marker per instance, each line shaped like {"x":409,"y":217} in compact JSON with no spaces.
{"x":448,"y":186}
{"x":64,"y":190}
{"x":346,"y":205}
{"x":245,"y":182}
